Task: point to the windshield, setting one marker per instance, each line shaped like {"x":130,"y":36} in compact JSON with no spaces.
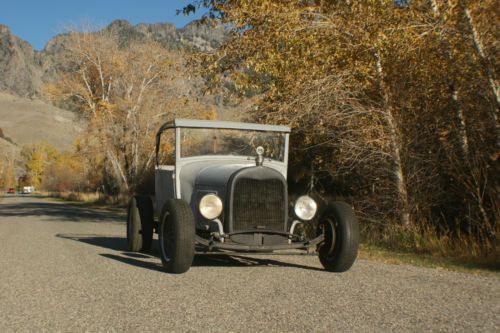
{"x":215,"y":141}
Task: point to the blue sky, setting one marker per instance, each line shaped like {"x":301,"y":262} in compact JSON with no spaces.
{"x":37,"y":21}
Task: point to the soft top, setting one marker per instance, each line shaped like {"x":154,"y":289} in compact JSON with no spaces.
{"x":191,"y":123}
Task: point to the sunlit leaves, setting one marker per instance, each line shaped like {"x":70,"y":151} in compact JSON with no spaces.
{"x":313,"y":65}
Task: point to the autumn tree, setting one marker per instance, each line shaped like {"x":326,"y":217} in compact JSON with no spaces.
{"x":320,"y":68}
{"x":470,"y":141}
{"x":123,"y":91}
{"x":394,"y":100}
{"x":36,"y":157}
{"x":7,"y":174}
{"x":65,"y":173}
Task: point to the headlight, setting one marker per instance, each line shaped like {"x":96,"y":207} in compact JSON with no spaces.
{"x":210,"y":206}
{"x":305,"y":208}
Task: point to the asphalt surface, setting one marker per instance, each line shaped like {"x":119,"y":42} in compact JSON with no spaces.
{"x":66,"y":268}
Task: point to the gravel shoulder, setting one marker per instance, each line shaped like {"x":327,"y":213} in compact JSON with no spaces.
{"x":65,"y":268}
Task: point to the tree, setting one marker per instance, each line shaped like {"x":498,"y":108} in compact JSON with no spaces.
{"x":7,"y":174}
{"x":290,"y":54}
{"x":122,"y":90}
{"x":393,"y":100}
{"x":35,"y":158}
{"x":64,"y":174}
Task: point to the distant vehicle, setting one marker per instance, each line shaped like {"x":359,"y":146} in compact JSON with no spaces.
{"x":11,"y":190}
{"x":220,"y":187}
{"x":28,"y":190}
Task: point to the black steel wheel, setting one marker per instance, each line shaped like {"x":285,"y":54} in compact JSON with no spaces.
{"x":177,"y":236}
{"x":140,"y":224}
{"x":340,"y":227}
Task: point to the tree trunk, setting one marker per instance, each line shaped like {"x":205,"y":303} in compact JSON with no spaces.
{"x":480,"y":50}
{"x":435,"y":7}
{"x":118,"y":169}
{"x":487,"y":68}
{"x":462,"y":126}
{"x":395,"y":144}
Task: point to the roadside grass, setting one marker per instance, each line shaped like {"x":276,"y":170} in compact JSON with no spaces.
{"x":425,"y":246}
{"x":114,"y":204}
{"x":398,"y":257}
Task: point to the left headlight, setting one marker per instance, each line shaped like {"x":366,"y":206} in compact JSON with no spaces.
{"x":210,"y":206}
{"x":305,"y":208}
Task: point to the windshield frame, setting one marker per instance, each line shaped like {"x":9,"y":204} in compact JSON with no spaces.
{"x":179,"y":124}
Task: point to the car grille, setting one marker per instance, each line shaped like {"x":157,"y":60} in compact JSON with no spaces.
{"x":259,"y":204}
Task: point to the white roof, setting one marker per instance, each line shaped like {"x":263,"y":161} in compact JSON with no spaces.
{"x":228,"y":125}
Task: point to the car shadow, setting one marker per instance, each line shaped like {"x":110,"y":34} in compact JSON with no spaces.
{"x":108,"y":242}
{"x":143,"y":260}
{"x":134,"y":262}
{"x":57,"y":212}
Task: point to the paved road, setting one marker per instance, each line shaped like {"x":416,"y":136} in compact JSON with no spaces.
{"x":64,"y":268}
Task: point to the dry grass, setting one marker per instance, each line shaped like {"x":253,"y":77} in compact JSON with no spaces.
{"x":426,"y":246}
{"x":395,"y":257}
{"x":90,"y":198}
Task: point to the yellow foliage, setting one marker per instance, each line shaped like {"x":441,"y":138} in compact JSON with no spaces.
{"x":35,"y":157}
{"x":363,"y":81}
{"x":125,"y":93}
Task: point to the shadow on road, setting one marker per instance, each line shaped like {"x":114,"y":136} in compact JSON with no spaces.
{"x":57,"y":212}
{"x":108,"y":242}
{"x":134,"y":262}
{"x":143,"y":260}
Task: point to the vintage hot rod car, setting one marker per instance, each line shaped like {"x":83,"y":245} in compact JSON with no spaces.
{"x":221,"y":187}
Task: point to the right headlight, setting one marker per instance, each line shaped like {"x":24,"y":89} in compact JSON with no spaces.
{"x":305,"y":208}
{"x":210,"y":206}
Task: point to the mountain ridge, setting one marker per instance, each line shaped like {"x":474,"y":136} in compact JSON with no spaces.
{"x":25,"y":118}
{"x":24,"y":70}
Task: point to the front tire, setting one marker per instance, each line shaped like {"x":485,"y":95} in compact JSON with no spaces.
{"x":177,"y":236}
{"x":140,"y":224}
{"x":340,"y":226}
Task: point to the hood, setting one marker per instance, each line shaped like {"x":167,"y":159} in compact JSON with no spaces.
{"x":217,"y":175}
{"x":208,"y":177}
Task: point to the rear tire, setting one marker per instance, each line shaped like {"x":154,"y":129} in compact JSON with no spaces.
{"x":340,"y":248}
{"x":140,"y":224}
{"x":177,"y":236}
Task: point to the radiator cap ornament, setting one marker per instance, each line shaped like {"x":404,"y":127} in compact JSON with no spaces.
{"x":259,"y":160}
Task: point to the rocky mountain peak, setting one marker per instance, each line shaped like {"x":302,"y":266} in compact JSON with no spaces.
{"x":4,"y":29}
{"x":119,"y":24}
{"x":23,"y":71}
{"x":19,"y":64}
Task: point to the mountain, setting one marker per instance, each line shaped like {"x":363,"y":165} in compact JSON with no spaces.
{"x":24,"y":121}
{"x":194,"y":36}
{"x":19,"y":65}
{"x":23,"y":70}
{"x":30,"y":120}
{"x":25,"y":118}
